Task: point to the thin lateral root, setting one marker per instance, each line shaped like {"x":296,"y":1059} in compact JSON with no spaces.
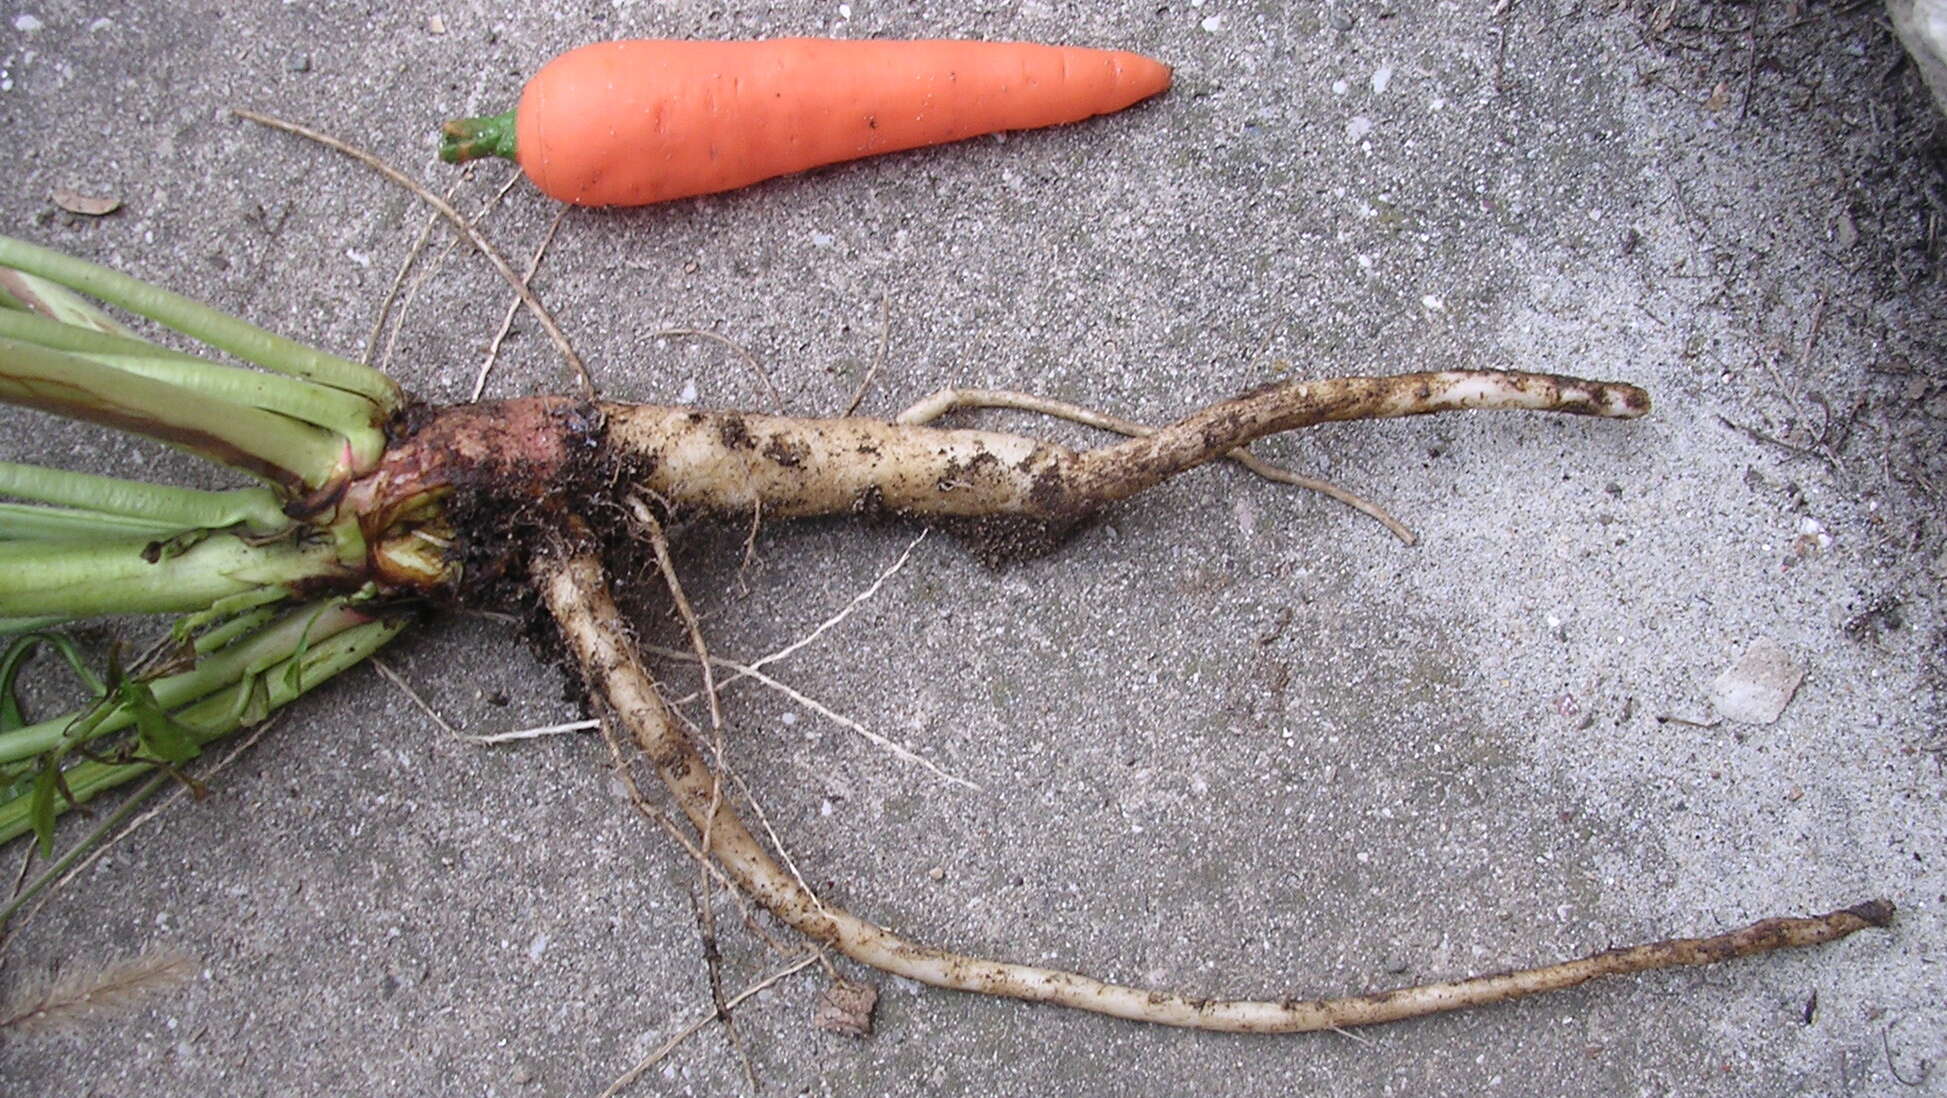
{"x":454,"y":218}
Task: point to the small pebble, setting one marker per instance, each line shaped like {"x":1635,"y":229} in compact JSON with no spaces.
{"x":1339,"y":21}
{"x":298,"y":62}
{"x":1756,"y":689}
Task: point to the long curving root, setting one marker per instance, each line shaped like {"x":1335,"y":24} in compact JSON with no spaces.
{"x":575,"y":589}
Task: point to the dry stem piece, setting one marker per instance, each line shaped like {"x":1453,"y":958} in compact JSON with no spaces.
{"x":575,"y":590}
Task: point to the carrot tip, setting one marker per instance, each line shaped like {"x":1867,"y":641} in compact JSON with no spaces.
{"x":465,"y":139}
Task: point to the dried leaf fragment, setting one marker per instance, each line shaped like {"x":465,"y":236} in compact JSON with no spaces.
{"x":846,"y":1008}
{"x":85,"y":991}
{"x":85,"y":204}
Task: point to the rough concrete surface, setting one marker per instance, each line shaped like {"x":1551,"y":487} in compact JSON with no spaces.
{"x":1235,"y":739}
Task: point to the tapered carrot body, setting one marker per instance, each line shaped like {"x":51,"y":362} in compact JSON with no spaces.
{"x":633,"y":122}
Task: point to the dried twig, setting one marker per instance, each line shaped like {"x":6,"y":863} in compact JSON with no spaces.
{"x":389,"y":675}
{"x":659,"y":545}
{"x":743,"y":671}
{"x":706,"y":921}
{"x":878,"y":359}
{"x":399,"y":281}
{"x":534,"y":733}
{"x":844,"y":612}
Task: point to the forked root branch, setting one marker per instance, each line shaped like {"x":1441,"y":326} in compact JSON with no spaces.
{"x":575,"y":590}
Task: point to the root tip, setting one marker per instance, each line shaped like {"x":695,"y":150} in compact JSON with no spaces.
{"x":1873,"y":912}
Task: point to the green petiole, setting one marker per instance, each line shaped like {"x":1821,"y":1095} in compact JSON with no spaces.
{"x":198,"y":321}
{"x":336,"y":410}
{"x":159,"y":505}
{"x":139,"y":576}
{"x":282,"y":450}
{"x":465,"y":139}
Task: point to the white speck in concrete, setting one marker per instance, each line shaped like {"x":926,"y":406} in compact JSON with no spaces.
{"x":689,"y":393}
{"x":1340,"y":87}
{"x":26,"y":24}
{"x":1212,"y":24}
{"x":1382,"y":78}
{"x":537,"y":947}
{"x":1358,"y":128}
{"x":1433,"y":304}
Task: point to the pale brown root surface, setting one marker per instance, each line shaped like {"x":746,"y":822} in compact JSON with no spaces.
{"x":793,"y":467}
{"x":575,"y":591}
{"x":525,"y":460}
{"x":946,"y":400}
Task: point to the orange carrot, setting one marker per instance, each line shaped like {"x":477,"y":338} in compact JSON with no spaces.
{"x":633,"y":122}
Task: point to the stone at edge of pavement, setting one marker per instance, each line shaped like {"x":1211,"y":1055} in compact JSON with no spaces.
{"x":1756,"y":689}
{"x":1922,"y":27}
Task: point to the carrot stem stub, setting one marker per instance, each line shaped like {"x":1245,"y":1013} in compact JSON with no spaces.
{"x":465,"y":139}
{"x":633,"y":122}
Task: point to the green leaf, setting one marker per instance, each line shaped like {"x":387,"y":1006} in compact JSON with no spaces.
{"x":41,"y":811}
{"x":11,"y":716}
{"x":160,"y":736}
{"x":15,"y":657}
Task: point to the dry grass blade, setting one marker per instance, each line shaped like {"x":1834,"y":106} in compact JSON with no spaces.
{"x":84,"y":992}
{"x":453,"y":217}
{"x":513,"y":307}
{"x":630,"y":1076}
{"x":736,"y":348}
